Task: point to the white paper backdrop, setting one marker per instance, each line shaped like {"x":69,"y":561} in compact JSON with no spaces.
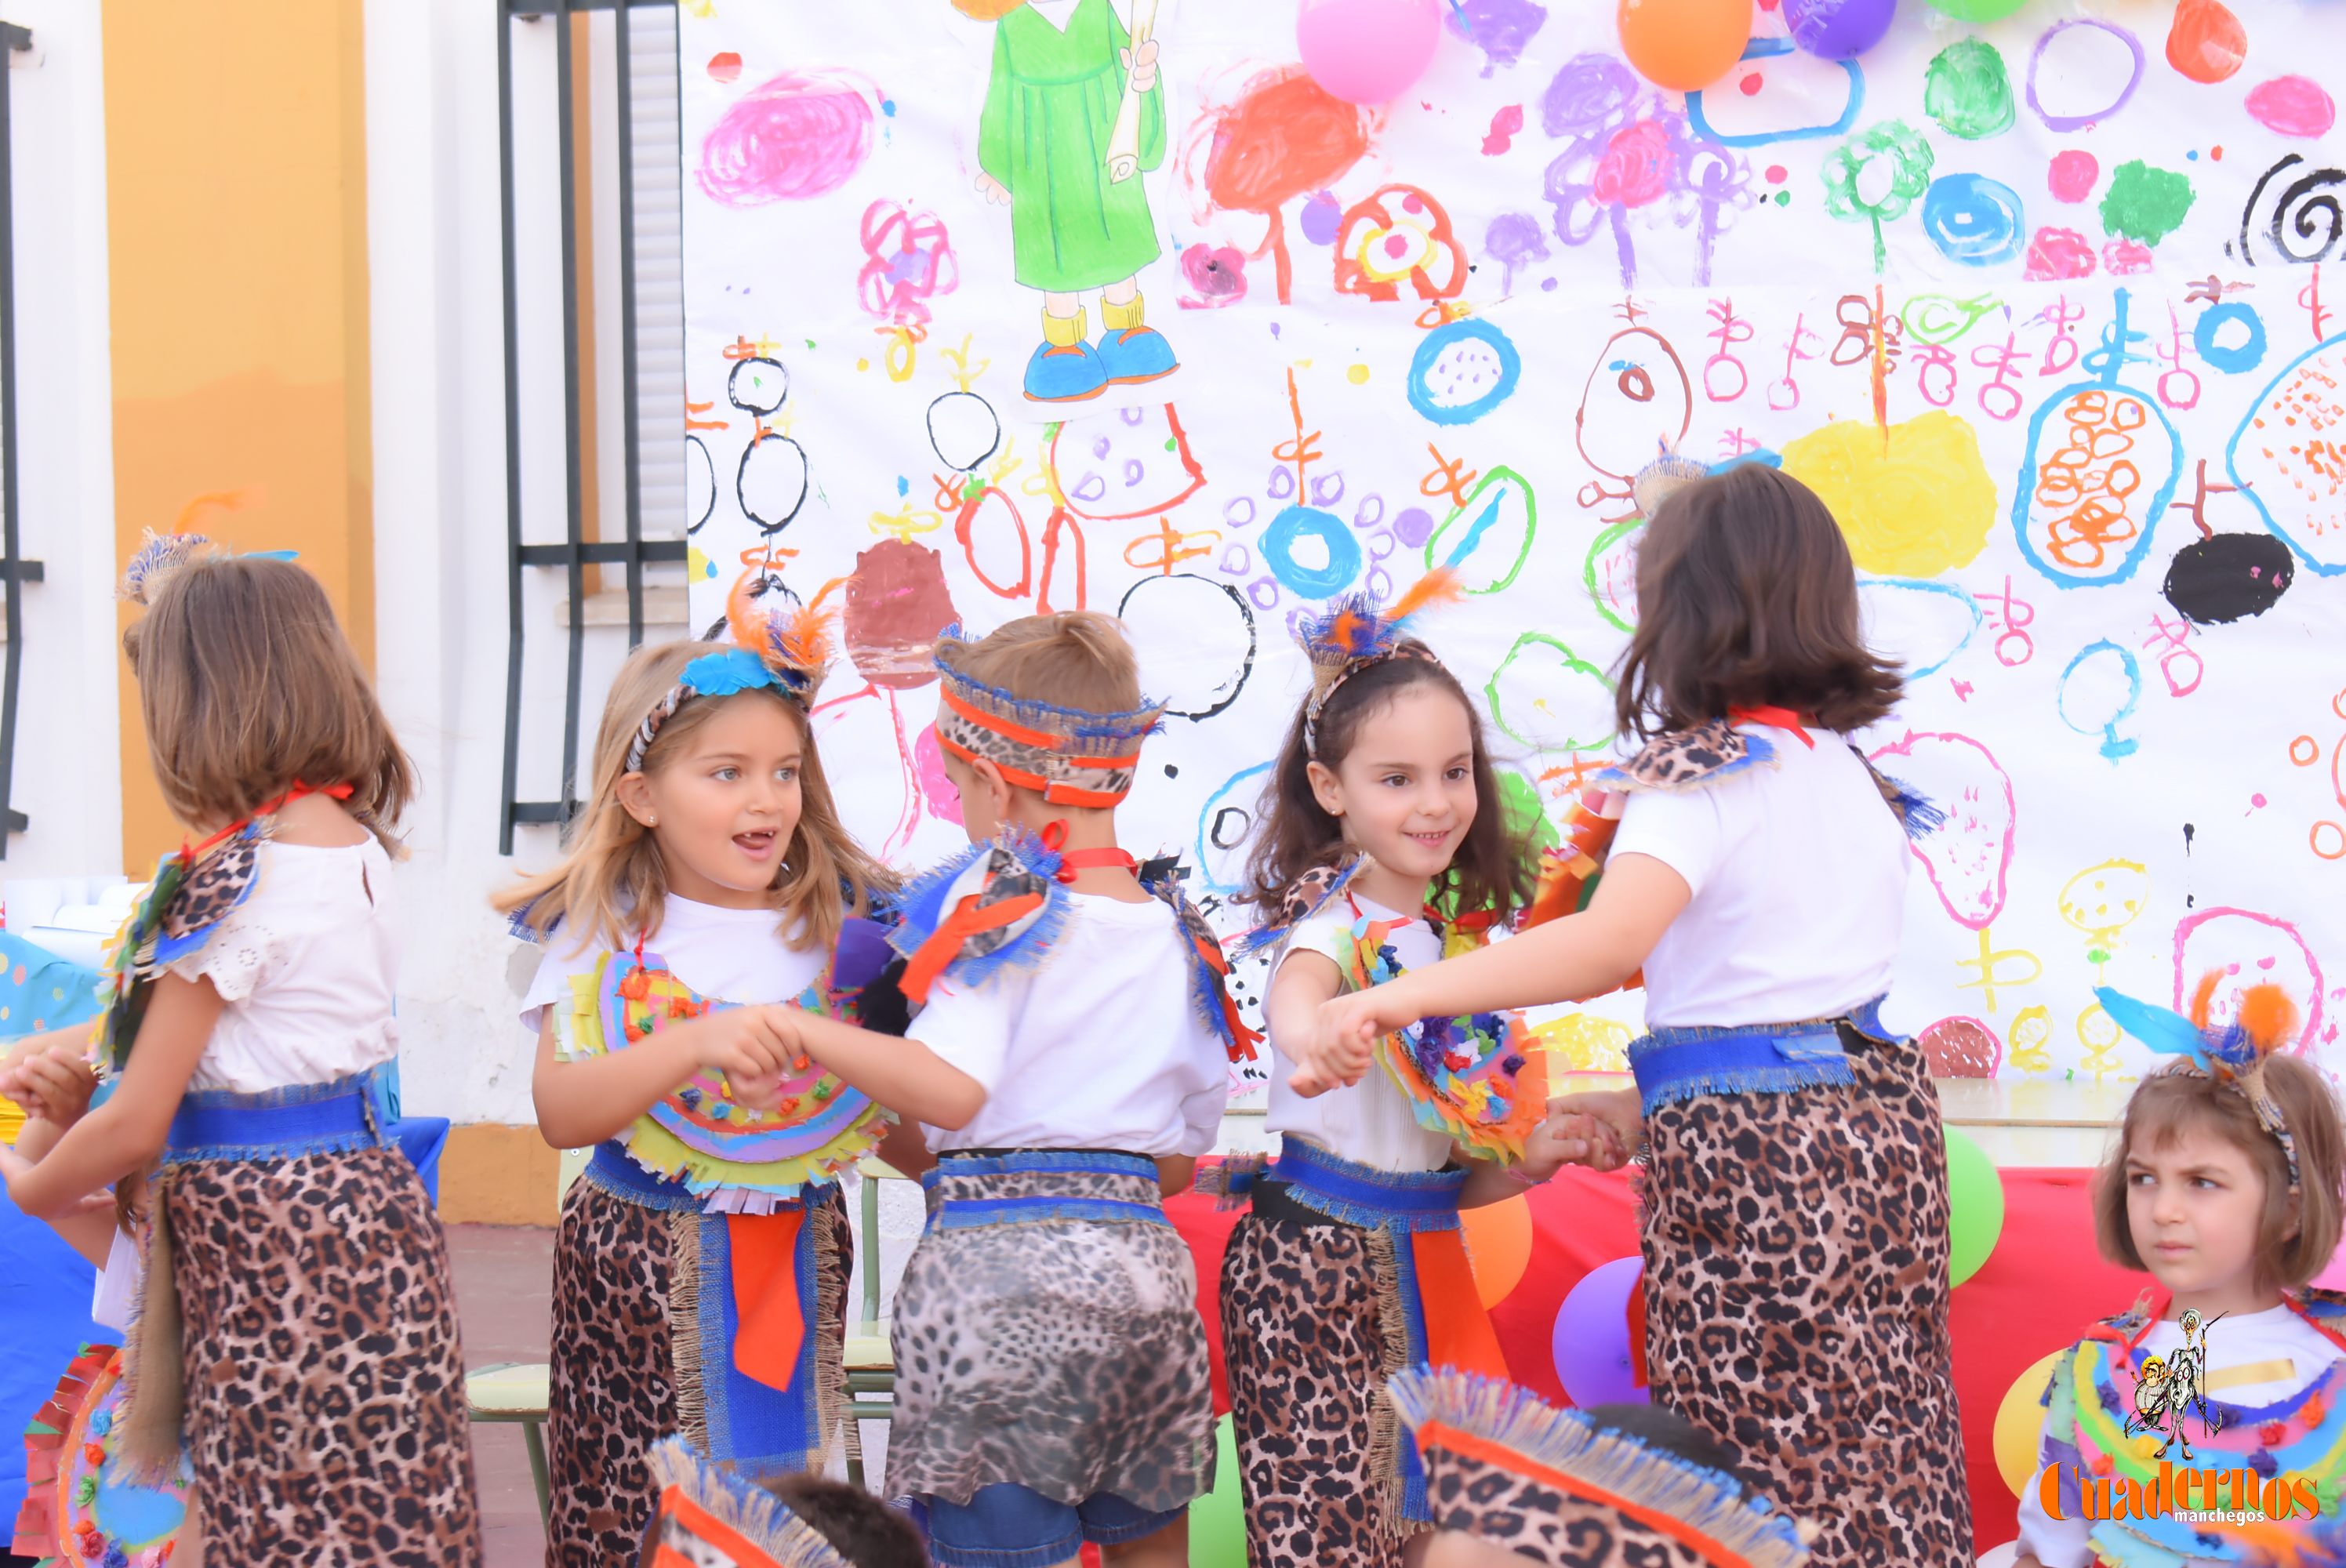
{"x":2091,"y":471}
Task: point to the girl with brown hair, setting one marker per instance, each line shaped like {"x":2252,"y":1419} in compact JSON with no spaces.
{"x":1795,"y":1220}
{"x":701,"y":1264}
{"x":298,"y":1311}
{"x":1385,"y":847}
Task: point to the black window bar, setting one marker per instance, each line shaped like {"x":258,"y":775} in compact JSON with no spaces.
{"x":577,"y":552}
{"x":14,"y":570}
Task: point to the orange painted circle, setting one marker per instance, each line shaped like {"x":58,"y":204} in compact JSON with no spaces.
{"x":2337,"y":851}
{"x":1498,"y":1246}
{"x":2305,"y":751}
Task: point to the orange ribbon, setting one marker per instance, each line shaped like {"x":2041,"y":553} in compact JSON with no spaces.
{"x":1458,"y":1331}
{"x":944,"y":946}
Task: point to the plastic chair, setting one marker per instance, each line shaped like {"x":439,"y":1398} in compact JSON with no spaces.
{"x":871,"y":1358}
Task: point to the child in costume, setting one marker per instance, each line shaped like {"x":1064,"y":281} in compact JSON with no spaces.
{"x":701,"y":1264}
{"x":291,"y":1246}
{"x":1072,"y":1057}
{"x":1795,"y":1223}
{"x":1067,"y":79}
{"x":1384,"y":848}
{"x":2224,"y":1187}
{"x":1513,"y":1479}
{"x":81,"y":1506}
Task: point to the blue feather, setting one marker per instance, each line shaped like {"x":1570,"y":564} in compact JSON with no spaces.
{"x":2162,"y":1029}
{"x":723,"y":674}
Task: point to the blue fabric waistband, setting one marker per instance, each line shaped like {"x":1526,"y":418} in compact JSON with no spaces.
{"x":614,"y":1172}
{"x":1675,"y":1065}
{"x":1084,"y":1169}
{"x":1360,"y":1195}
{"x":276,"y":1124}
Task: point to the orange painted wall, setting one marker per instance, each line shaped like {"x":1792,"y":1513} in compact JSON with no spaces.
{"x":235,"y":211}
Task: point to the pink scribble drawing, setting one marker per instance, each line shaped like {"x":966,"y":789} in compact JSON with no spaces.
{"x":2250,"y":949}
{"x":801,"y":135}
{"x":1969,"y":858}
{"x":1216,"y":274}
{"x":908,"y":259}
{"x":1626,"y":150}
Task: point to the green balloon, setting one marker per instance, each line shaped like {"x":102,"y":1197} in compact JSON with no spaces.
{"x":1979,"y":10}
{"x":1975,"y":1206}
{"x":1218,"y":1519}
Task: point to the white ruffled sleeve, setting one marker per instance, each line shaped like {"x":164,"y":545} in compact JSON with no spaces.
{"x":246,"y":951}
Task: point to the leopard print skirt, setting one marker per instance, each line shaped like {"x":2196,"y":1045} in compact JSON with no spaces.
{"x":614,"y":1390}
{"x":1796,"y":1302}
{"x":1306,"y":1352}
{"x":1064,"y":1355}
{"x":324,"y":1373}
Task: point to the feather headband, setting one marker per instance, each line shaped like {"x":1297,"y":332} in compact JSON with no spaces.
{"x":1069,"y":756}
{"x":705,"y":1513}
{"x":1355,"y":633}
{"x":160,"y":554}
{"x":2233,"y":1054}
{"x":1663,"y":478}
{"x":791,"y":659}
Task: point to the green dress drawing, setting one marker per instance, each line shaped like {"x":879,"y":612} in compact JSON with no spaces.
{"x":1050,"y":107}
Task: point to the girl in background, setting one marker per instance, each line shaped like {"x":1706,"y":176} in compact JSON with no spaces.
{"x":1385,"y":847}
{"x":701,"y":1264}
{"x":2223,"y":1187}
{"x":296,"y":1286}
{"x":1795,"y":1208}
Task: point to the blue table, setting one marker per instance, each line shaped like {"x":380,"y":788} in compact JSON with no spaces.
{"x":44,"y":1293}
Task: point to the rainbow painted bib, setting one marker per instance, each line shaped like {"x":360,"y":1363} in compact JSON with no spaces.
{"x":1475,"y":1079}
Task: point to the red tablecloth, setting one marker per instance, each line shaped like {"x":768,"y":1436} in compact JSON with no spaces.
{"x":2044,"y":1283}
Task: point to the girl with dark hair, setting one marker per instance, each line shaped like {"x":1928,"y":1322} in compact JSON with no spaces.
{"x":1384,"y":848}
{"x":1795,"y":1213}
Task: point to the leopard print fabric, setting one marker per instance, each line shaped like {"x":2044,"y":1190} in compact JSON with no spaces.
{"x":1796,"y":1302}
{"x":1535,"y":1521}
{"x":1063,"y":1355}
{"x":612,"y":1392}
{"x":1306,"y":1355}
{"x":1686,"y":759}
{"x":324,"y":1371}
{"x":214,"y":885}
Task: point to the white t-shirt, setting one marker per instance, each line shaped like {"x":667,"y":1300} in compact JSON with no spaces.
{"x":724,"y":954}
{"x":2275,"y":1334}
{"x":1101,"y":1046}
{"x":308,"y":965}
{"x":1798,"y":874}
{"x":1370,"y":1122}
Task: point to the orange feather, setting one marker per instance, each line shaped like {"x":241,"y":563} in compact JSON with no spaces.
{"x":1439,"y":586}
{"x":2267,"y":1017}
{"x":2202,"y":998}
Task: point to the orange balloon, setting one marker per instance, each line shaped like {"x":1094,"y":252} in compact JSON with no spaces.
{"x":1498,"y":1246}
{"x":2206,"y":42}
{"x":1684,"y":44}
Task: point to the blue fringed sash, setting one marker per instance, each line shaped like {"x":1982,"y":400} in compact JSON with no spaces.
{"x":757,"y":1428}
{"x":958,"y":1213}
{"x":276,"y":1124}
{"x":1676,"y":1064}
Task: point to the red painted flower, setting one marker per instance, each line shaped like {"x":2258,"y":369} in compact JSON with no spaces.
{"x":2059,"y":253}
{"x":908,"y":258}
{"x":1636,"y":169}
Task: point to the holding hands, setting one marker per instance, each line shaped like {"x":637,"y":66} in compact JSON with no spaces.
{"x":754,"y":1047}
{"x":51,"y":1081}
{"x":1601,"y":1129}
{"x":1344,"y":1037}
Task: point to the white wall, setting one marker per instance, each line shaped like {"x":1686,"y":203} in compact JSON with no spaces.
{"x":67,"y":745}
{"x":442,"y":617}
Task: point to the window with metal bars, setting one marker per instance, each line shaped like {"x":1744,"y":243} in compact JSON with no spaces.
{"x":597,"y":78}
{"x":14,"y":570}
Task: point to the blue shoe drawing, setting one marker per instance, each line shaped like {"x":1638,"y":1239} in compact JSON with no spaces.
{"x":1135,"y":354}
{"x":1067,"y":374}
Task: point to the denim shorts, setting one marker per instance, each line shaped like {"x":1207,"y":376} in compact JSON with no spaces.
{"x":1011,"y":1526}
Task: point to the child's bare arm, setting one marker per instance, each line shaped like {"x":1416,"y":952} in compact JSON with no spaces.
{"x":904,"y":1076}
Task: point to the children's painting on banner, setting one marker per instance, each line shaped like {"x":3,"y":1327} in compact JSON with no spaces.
{"x":1005,"y":306}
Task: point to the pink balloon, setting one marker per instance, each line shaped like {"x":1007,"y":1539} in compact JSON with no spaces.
{"x":1591,"y":1341}
{"x":1367,"y":51}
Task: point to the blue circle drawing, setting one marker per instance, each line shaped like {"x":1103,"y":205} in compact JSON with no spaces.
{"x":1313,"y":583}
{"x":1972,"y":219}
{"x":1225,"y":825}
{"x":2242,"y":357}
{"x":2113,"y":745}
{"x":1452,"y":404}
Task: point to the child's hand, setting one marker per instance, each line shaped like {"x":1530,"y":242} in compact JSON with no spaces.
{"x":1342,"y":1044}
{"x":751,"y":1046}
{"x":996,"y":193}
{"x":1600,"y":1129}
{"x":54,"y":1086}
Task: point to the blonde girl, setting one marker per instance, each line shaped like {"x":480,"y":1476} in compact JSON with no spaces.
{"x":701,"y":1269}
